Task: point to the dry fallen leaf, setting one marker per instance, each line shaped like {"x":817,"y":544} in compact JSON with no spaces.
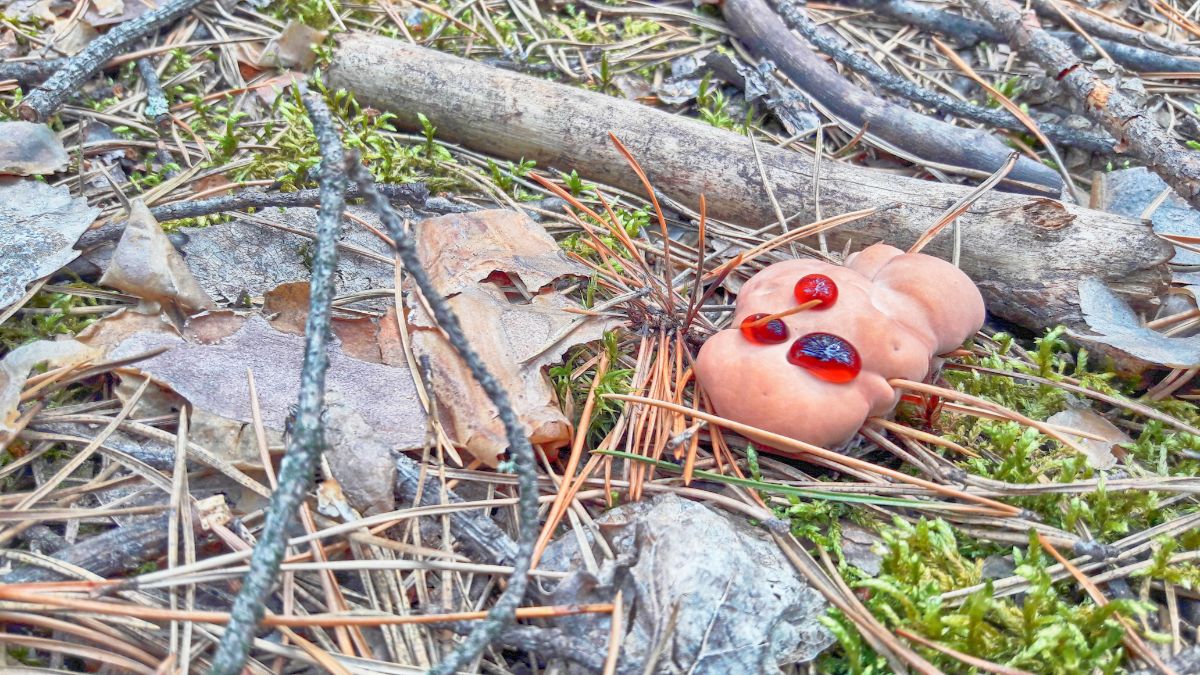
{"x":503,"y":333}
{"x":15,"y":367}
{"x":207,"y":366}
{"x":145,"y":264}
{"x":462,"y":249}
{"x":70,"y":37}
{"x":27,"y":148}
{"x":39,"y":224}
{"x":1116,"y":325}
{"x":293,"y":48}
{"x":1099,"y":453}
{"x":108,"y":12}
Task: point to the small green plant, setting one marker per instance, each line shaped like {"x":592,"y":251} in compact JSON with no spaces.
{"x":712,"y":104}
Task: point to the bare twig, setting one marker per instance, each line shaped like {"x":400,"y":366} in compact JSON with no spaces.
{"x":503,"y":611}
{"x":66,"y":81}
{"x":1139,"y":134}
{"x":307,"y":439}
{"x":412,"y":194}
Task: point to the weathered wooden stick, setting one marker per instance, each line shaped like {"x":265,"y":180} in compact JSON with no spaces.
{"x":1027,"y":254}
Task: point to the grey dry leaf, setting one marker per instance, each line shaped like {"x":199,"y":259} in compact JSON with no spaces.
{"x":28,"y":148}
{"x":460,"y":251}
{"x":246,"y":255}
{"x":70,"y":36}
{"x":1099,"y":453}
{"x":1116,"y":325}
{"x":703,"y":592}
{"x":15,"y":367}
{"x":293,"y":48}
{"x":207,"y":366}
{"x":145,"y":264}
{"x":39,"y":225}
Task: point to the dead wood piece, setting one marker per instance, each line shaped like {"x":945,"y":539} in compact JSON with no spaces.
{"x":1140,"y":135}
{"x":931,"y":141}
{"x":112,"y":553}
{"x":969,"y":32}
{"x":44,"y":101}
{"x":795,"y":16}
{"x":475,"y":530}
{"x":1026,"y":254}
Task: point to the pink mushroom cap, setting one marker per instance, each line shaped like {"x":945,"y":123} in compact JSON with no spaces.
{"x":898,"y":310}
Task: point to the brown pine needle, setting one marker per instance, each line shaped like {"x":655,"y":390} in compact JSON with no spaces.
{"x":974,"y":661}
{"x":559,"y":507}
{"x":802,"y":448}
{"x":1013,"y":415}
{"x":779,"y":315}
{"x":662,"y":220}
{"x":24,"y":593}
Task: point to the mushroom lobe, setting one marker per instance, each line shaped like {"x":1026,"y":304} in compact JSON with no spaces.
{"x":894,"y":311}
{"x":769,"y":333}
{"x":826,"y":356}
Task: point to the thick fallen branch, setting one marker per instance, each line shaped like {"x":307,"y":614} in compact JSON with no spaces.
{"x":1140,"y":135}
{"x":794,"y":15}
{"x":968,"y":32}
{"x":932,"y":141}
{"x":1027,"y":254}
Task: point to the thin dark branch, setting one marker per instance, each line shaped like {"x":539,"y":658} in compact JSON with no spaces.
{"x":412,"y":194}
{"x":968,"y":32}
{"x":795,"y":16}
{"x":1098,"y":27}
{"x":1140,"y":135}
{"x":917,"y":137}
{"x":44,"y":101}
{"x":504,"y":610}
{"x":478,"y":533}
{"x":157,"y":109}
{"x":114,"y":552}
{"x":549,"y":643}
{"x":307,"y":439}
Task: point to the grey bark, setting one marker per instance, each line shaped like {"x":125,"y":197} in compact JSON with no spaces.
{"x":1026,"y":254}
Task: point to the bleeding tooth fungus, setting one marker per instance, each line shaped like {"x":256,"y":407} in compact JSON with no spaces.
{"x":885,"y":314}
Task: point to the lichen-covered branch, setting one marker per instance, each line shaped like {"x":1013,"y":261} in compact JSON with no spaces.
{"x":503,"y":611}
{"x":44,"y":101}
{"x":1139,"y":135}
{"x":307,"y":438}
{"x":795,"y":16}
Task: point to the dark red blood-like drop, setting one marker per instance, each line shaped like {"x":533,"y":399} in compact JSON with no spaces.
{"x":826,"y":356}
{"x":816,"y":287}
{"x":770,"y":333}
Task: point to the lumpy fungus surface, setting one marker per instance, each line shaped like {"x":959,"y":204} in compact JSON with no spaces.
{"x":816,"y":375}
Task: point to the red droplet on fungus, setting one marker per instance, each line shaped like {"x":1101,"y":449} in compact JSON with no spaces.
{"x":816,"y":287}
{"x":826,"y":356}
{"x":769,"y":333}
